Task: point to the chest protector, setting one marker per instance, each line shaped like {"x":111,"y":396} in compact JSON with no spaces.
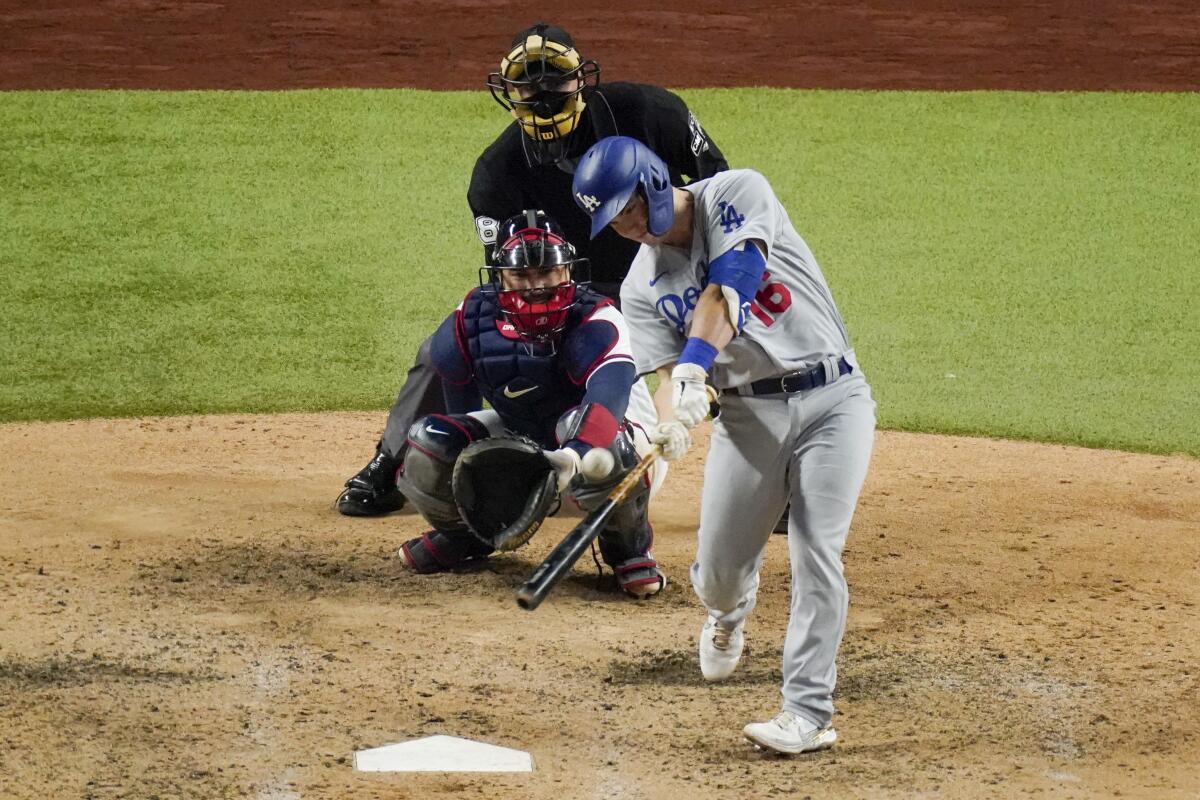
{"x":526,"y":383}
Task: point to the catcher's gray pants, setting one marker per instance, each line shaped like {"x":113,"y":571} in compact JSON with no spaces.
{"x":811,"y":448}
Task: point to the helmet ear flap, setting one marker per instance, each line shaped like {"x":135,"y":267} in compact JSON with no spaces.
{"x":658,"y":181}
{"x":659,"y":197}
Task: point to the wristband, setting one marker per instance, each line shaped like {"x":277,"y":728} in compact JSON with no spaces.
{"x":698,"y":352}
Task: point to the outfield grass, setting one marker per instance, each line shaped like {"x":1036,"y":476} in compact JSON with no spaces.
{"x":1020,"y":265}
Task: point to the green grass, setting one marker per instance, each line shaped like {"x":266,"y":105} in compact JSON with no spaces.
{"x":1042,"y":249}
{"x":168,"y":253}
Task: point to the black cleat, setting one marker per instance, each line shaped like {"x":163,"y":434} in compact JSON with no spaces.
{"x":372,"y":492}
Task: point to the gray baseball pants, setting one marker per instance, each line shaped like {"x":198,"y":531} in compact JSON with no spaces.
{"x":811,"y":448}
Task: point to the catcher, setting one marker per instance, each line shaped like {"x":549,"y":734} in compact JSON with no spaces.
{"x":552,"y":359}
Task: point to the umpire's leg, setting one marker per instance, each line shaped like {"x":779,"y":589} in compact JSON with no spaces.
{"x":420,"y":395}
{"x":372,"y":491}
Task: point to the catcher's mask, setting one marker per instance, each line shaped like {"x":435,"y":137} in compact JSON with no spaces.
{"x":541,"y":82}
{"x":533,"y":272}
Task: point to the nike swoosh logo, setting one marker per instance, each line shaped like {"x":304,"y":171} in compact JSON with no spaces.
{"x":511,"y":395}
{"x":659,"y":275}
{"x":432,"y":429}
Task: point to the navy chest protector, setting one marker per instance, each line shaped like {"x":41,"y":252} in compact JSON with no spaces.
{"x":526,"y":383}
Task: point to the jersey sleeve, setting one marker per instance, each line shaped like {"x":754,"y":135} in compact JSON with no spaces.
{"x":601,"y":339}
{"x":674,"y":133}
{"x":453,"y":366}
{"x":597,"y":357}
{"x":655,"y":341}
{"x":743,"y":208}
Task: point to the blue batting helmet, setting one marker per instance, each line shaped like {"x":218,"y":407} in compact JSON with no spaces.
{"x":609,"y":173}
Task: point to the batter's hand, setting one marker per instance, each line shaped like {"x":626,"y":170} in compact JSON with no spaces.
{"x":566,"y":463}
{"x":674,"y":438}
{"x":688,"y":393}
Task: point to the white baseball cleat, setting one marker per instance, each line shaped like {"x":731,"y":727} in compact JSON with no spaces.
{"x":720,"y":649}
{"x":790,"y":734}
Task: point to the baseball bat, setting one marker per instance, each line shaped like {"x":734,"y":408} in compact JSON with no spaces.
{"x":567,"y":552}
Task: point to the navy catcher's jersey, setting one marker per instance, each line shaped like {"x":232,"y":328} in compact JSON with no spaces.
{"x":504,"y":182}
{"x":528,"y":385}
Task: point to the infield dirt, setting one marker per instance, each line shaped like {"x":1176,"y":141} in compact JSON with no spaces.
{"x":185,"y":615}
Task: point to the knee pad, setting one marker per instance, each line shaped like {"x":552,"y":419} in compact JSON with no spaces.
{"x":432,"y":447}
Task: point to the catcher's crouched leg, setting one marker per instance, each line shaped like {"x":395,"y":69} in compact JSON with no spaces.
{"x":438,"y":551}
{"x":433,"y":445}
{"x":625,"y":546}
{"x":626,"y":539}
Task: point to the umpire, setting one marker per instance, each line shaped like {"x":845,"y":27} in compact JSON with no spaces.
{"x":559,"y":111}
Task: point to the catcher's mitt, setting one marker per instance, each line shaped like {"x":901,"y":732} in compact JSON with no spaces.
{"x":504,"y":487}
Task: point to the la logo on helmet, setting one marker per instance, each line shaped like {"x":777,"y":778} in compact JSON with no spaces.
{"x":588,"y":201}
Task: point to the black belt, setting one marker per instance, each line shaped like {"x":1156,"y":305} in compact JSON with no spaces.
{"x":795,"y":381}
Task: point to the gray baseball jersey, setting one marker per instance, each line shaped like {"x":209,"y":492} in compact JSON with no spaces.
{"x":810,"y":448}
{"x":792,"y":323}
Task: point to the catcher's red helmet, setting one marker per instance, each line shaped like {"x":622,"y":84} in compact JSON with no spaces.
{"x":533,"y":273}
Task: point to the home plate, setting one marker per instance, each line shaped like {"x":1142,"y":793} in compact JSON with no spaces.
{"x":442,"y":754}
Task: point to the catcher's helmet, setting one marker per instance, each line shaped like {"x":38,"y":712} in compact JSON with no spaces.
{"x":536,"y":301}
{"x":611,"y":171}
{"x":541,"y":81}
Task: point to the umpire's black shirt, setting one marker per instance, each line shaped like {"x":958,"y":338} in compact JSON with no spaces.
{"x":507,"y":178}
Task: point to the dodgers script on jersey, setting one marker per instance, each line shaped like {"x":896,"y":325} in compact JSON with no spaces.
{"x":792,"y":322}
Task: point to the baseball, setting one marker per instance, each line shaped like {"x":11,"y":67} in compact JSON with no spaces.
{"x":597,"y":464}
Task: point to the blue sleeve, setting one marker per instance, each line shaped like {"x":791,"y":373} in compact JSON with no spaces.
{"x":610,"y":386}
{"x":590,"y":360}
{"x":603,"y":407}
{"x":587,"y":347}
{"x":741,"y":269}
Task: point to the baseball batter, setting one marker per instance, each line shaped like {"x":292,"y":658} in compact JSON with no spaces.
{"x":724,"y":289}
